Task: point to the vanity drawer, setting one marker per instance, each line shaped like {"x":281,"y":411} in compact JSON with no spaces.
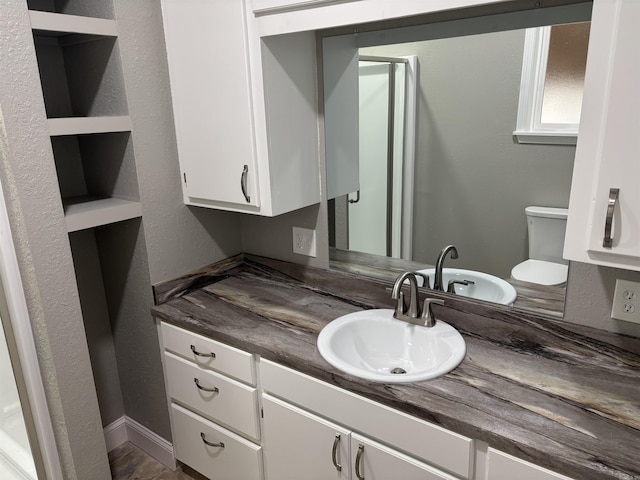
{"x":228,"y":360}
{"x":230,"y":403}
{"x":502,"y":466}
{"x":239,"y":459}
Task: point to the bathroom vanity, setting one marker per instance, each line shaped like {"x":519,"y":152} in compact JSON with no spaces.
{"x":533,"y":399}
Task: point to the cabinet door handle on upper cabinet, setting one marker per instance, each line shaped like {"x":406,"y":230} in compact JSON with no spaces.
{"x":243,"y":183}
{"x":608,"y":221}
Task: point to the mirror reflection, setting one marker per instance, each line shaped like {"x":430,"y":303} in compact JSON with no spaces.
{"x":442,"y":158}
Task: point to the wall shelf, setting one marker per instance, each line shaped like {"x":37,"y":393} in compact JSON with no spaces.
{"x":82,"y":213}
{"x":59,"y":24}
{"x":88,"y":125}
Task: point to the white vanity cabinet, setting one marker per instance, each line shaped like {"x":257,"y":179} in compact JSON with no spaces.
{"x":394,"y":445}
{"x":245,"y":109}
{"x":213,"y":399}
{"x":608,"y":150}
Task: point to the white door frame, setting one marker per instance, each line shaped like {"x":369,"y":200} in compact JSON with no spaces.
{"x":11,"y":281}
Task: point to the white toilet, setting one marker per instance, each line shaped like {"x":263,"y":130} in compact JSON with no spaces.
{"x":545,"y":266}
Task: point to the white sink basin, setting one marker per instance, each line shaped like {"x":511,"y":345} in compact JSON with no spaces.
{"x":485,"y":287}
{"x":373,"y":345}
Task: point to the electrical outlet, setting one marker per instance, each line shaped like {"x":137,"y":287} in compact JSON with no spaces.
{"x":626,"y":301}
{"x":304,"y":241}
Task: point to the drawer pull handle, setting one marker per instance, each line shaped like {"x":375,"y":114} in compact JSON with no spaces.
{"x":334,"y":451}
{"x":359,"y":461}
{"x":200,"y":354}
{"x":219,"y":444}
{"x":608,"y":221}
{"x":205,"y":389}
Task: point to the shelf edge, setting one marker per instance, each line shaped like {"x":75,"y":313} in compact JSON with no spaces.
{"x":72,"y":24}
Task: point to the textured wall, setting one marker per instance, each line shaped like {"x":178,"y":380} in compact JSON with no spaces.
{"x":29,"y":181}
{"x":178,"y":238}
{"x":590,"y":296}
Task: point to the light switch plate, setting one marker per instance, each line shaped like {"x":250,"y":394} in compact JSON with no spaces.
{"x":304,"y":241}
{"x":626,"y":301}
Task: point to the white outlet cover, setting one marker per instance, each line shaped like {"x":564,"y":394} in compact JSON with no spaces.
{"x":304,"y":241}
{"x":626,"y":301}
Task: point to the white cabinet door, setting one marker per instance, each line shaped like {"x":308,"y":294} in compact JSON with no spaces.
{"x":373,"y":461}
{"x":210,"y":84}
{"x":608,"y":150}
{"x":245,"y":108}
{"x":301,"y":445}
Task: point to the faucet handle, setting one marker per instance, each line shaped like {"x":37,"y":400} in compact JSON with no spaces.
{"x":452,"y":284}
{"x":426,"y":283}
{"x":427,"y":313}
{"x":401,"y":307}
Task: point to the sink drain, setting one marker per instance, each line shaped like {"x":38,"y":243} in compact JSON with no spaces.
{"x":398,"y":371}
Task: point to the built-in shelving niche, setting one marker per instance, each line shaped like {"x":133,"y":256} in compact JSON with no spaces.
{"x":86,"y":109}
{"x":90,"y":130}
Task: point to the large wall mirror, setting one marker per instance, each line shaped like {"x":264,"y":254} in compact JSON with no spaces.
{"x":424,"y":148}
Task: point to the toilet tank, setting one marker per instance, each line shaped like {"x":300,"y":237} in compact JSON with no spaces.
{"x":546,"y":227}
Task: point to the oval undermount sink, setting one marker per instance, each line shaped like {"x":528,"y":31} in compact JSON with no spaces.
{"x":373,"y":345}
{"x":485,"y":287}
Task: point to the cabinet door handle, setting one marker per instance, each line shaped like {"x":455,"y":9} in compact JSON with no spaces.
{"x":334,"y":451}
{"x":205,"y":389}
{"x":243,"y":183}
{"x":204,"y":439}
{"x":608,"y":221}
{"x":359,"y":461}
{"x":200,"y":354}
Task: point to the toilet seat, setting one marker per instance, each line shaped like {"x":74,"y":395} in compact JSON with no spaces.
{"x":540,"y":271}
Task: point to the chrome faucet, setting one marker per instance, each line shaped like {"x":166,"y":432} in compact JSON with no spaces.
{"x":438,"y":283}
{"x":413,"y":314}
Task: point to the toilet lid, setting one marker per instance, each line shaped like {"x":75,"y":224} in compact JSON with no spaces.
{"x":539,"y":271}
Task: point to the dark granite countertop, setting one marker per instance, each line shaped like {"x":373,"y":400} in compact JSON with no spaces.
{"x":562,"y":396}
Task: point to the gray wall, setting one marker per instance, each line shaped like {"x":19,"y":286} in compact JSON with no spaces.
{"x":472,"y":179}
{"x":178,"y":238}
{"x":31,"y":190}
{"x":115,"y":265}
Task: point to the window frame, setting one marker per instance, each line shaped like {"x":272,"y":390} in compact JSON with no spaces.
{"x":529,"y":128}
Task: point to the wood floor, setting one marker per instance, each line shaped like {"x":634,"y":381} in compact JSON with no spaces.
{"x":128,"y":462}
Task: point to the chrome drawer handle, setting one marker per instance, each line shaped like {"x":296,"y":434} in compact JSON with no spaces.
{"x":243,"y":183}
{"x":358,"y":461}
{"x":205,"y":389}
{"x":200,"y":354}
{"x":608,"y":221}
{"x":334,"y":451}
{"x":219,"y":444}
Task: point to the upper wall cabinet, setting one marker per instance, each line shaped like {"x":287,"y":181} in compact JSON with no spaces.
{"x":604,"y":210}
{"x":275,"y":17}
{"x":262,"y":7}
{"x":245,"y":109}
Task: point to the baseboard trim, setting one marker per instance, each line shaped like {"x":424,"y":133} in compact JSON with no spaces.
{"x":126,"y":429}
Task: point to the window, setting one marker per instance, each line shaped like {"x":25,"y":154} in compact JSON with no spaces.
{"x":553,"y":69}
